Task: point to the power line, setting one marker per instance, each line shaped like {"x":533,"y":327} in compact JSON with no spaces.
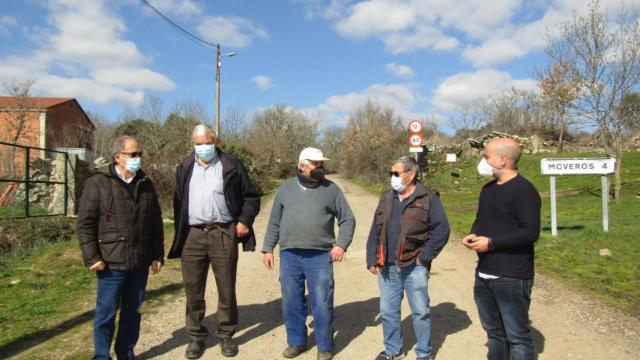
{"x":192,"y":37}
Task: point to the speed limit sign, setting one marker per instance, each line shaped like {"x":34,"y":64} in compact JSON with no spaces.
{"x":415,"y":126}
{"x":415,"y":140}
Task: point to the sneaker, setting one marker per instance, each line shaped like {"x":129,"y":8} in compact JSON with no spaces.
{"x":384,"y":356}
{"x":292,"y":351}
{"x":324,"y":355}
{"x":195,"y":349}
{"x":228,"y":348}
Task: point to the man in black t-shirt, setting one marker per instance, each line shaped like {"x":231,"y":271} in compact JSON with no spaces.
{"x":507,"y":225}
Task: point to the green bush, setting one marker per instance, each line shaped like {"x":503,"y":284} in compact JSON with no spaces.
{"x":19,"y":236}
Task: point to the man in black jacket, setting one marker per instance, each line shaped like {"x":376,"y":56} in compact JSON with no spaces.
{"x":506,"y":227}
{"x":119,"y":228}
{"x":214,"y":206}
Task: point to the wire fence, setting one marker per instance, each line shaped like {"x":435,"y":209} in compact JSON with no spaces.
{"x":34,"y":182}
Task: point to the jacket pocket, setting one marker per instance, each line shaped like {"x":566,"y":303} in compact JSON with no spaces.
{"x":113,"y":248}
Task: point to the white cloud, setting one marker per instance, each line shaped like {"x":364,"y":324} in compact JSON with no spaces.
{"x":402,"y":98}
{"x":230,"y":31}
{"x":463,"y":88}
{"x":7,"y":22}
{"x":84,"y":54}
{"x":262,"y":82}
{"x":400,"y":70}
{"x":488,"y":31}
{"x":177,"y":7}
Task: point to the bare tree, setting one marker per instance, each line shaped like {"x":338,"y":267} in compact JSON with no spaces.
{"x":16,"y":124}
{"x":103,"y":136}
{"x":604,"y":57}
{"x":232,"y":126}
{"x":559,"y":90}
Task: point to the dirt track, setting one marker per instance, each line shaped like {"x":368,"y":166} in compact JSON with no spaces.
{"x":566,"y":325}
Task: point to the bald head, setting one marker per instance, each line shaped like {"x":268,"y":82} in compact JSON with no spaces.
{"x":506,"y":147}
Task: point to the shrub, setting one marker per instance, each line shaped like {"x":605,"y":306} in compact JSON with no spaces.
{"x":20,"y":236}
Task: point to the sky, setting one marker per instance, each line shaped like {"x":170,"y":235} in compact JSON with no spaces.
{"x":422,"y":58}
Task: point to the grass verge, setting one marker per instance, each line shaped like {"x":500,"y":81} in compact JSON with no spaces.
{"x":47,"y":301}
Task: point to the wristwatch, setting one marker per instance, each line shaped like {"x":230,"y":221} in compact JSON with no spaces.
{"x":491,"y":245}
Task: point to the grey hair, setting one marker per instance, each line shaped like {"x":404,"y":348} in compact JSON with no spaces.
{"x":304,"y":162}
{"x":120,"y":143}
{"x":203,"y":129}
{"x":408,"y":164}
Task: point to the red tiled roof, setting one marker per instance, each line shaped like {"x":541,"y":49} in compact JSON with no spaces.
{"x":33,"y":103}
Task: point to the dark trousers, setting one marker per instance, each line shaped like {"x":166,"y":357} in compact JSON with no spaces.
{"x":218,"y":249}
{"x":503,"y":306}
{"x":124,"y":290}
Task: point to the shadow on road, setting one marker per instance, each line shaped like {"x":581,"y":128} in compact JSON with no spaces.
{"x":446,"y":319}
{"x":260,"y":318}
{"x":28,"y":341}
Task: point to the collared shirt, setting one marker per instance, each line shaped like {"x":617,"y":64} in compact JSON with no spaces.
{"x":121,"y":176}
{"x":206,"y":194}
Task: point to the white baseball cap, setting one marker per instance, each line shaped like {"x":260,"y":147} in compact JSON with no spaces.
{"x":312,"y":154}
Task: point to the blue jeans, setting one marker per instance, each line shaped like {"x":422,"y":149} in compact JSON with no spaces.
{"x":503,"y":306}
{"x":316,"y":267}
{"x":124,"y":289}
{"x":393,"y":282}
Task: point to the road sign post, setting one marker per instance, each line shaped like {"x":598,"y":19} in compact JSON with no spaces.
{"x":581,"y":166}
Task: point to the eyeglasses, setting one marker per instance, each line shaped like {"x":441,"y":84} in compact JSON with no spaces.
{"x":133,"y":154}
{"x":396,"y":173}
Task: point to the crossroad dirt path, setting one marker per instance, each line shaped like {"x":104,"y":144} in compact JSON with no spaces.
{"x":566,"y":325}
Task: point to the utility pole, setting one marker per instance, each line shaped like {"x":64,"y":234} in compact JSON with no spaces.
{"x":217,"y":124}
{"x":218,"y":65}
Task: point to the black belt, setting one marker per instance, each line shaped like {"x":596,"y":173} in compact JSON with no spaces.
{"x":211,"y":226}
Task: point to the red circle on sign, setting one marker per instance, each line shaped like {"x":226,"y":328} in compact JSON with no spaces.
{"x":415,"y":126}
{"x":415,"y":140}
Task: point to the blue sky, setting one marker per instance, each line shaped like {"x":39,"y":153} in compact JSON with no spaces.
{"x":423,"y":58}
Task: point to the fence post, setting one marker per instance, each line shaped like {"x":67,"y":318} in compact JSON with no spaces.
{"x":26,"y":183}
{"x":66,"y":182}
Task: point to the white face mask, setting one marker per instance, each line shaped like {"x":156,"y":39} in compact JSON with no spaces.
{"x":484,"y":169}
{"x":396,"y":183}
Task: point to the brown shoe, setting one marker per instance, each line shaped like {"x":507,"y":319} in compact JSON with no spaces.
{"x":324,"y":355}
{"x":292,"y":351}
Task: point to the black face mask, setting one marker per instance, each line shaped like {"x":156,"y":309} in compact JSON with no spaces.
{"x":317,"y":173}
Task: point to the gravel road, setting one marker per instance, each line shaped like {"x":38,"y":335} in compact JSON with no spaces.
{"x":567,"y":325}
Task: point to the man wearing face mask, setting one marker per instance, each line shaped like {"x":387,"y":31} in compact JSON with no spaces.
{"x":409,"y":230}
{"x":119,"y":228}
{"x":506,"y":227}
{"x":302,"y":221}
{"x":215,"y":204}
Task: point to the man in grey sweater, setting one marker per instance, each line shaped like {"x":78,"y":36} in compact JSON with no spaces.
{"x":302,"y":221}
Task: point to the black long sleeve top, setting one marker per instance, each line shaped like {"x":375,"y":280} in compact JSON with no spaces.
{"x":509,"y":214}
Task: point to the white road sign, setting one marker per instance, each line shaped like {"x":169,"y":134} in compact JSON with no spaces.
{"x":594,"y":166}
{"x":415,"y":140}
{"x":415,"y":126}
{"x":451,"y":158}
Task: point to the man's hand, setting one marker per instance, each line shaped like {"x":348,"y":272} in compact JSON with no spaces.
{"x":156,"y":266}
{"x":337,"y":252}
{"x":97,"y":266}
{"x":268,"y":260}
{"x":242,"y":230}
{"x":468,"y":240}
{"x":373,"y":269}
{"x":481,"y":244}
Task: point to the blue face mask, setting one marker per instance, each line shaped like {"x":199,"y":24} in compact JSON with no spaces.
{"x":133,"y":164}
{"x":205,"y":152}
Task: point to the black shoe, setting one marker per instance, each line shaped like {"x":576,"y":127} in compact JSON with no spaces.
{"x":195,"y":349}
{"x":228,"y":348}
{"x":384,"y":356}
